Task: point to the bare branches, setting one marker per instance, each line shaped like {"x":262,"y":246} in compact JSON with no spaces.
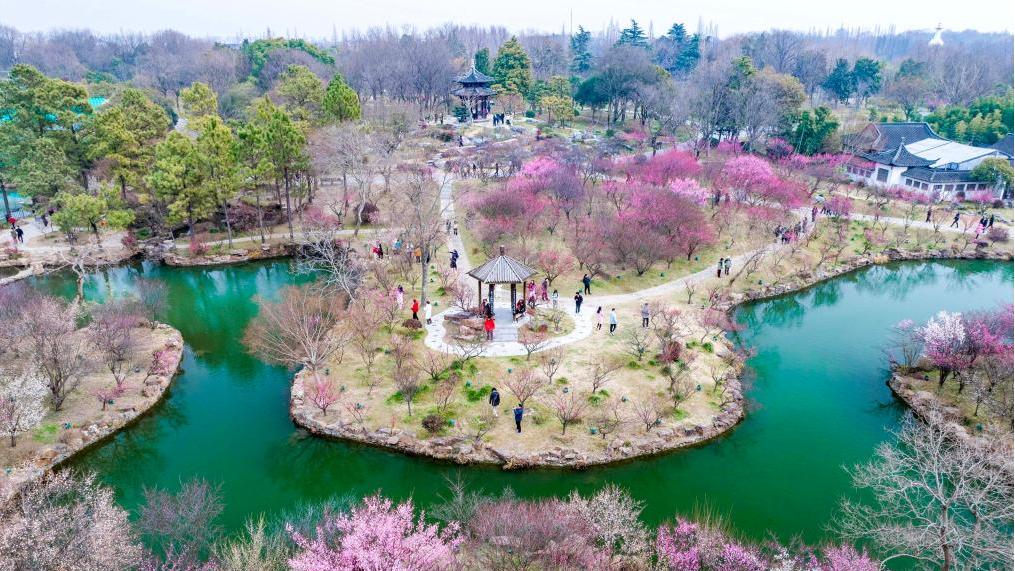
{"x":650,"y":411}
{"x":532,"y":341}
{"x":637,"y":341}
{"x":600,"y":371}
{"x":523,"y":385}
{"x":567,"y":408}
{"x":321,"y":391}
{"x":58,"y":353}
{"x":550,"y":362}
{"x":299,"y":329}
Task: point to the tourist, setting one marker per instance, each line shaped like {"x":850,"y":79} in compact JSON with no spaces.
{"x":955,"y":221}
{"x":599,"y":318}
{"x":428,"y":312}
{"x":45,"y":221}
{"x":554,"y":297}
{"x":380,"y":251}
{"x":488,"y":309}
{"x":447,"y":226}
{"x":930,"y":210}
{"x":519,"y":411}
{"x":418,"y":253}
{"x":613,"y":320}
{"x":814,"y":213}
{"x":644,"y":314}
{"x":718,"y":271}
{"x":727,"y":264}
{"x":587,"y":282}
{"x":454,"y":230}
{"x":990,"y":221}
{"x":532,"y":293}
{"x":489,"y":326}
{"x":544,"y":290}
{"x":494,"y":400}
{"x":454,"y":259}
{"x":578,"y":299}
{"x":400,"y":297}
{"x":21,"y":234}
{"x":415,"y":309}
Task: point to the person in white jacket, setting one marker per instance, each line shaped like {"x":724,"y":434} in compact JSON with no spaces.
{"x":428,"y":312}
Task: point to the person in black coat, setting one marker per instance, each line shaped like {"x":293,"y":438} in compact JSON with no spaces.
{"x":494,"y":400}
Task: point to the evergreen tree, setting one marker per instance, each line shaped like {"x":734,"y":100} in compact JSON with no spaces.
{"x":199,"y":100}
{"x":840,"y":82}
{"x":581,"y":58}
{"x":811,"y":130}
{"x":482,"y":61}
{"x":512,"y":70}
{"x":866,"y":77}
{"x":125,"y":134}
{"x":283,"y":148}
{"x":302,"y":92}
{"x":176,"y":180}
{"x":341,"y":102}
{"x":217,"y":163}
{"x":633,"y":36}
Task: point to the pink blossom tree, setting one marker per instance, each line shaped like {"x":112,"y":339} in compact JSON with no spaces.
{"x":375,"y":536}
{"x":668,"y":166}
{"x":944,"y":338}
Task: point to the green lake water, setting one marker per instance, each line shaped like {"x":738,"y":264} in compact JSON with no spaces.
{"x":819,"y":402}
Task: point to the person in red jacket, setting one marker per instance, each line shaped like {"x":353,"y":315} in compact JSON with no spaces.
{"x":489,"y":326}
{"x":415,"y":309}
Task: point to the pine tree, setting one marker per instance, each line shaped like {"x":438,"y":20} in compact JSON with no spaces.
{"x":341,"y":102}
{"x":512,"y":70}
{"x":581,"y":58}
{"x":633,"y":36}
{"x":840,"y":83}
{"x":482,"y":61}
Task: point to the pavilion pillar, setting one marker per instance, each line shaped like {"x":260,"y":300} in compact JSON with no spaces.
{"x":480,"y":289}
{"x":514,"y":296}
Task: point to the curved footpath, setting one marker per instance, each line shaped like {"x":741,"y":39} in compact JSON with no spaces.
{"x":77,"y":439}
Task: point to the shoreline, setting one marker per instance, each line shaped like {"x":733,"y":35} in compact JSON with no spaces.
{"x":96,"y":432}
{"x":464,"y":450}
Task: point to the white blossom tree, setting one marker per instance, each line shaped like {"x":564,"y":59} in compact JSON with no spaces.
{"x":22,"y":401}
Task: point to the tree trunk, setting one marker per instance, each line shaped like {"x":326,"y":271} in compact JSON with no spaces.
{"x":229,"y":226}
{"x":7,"y":205}
{"x":260,"y":216}
{"x":288,"y":205}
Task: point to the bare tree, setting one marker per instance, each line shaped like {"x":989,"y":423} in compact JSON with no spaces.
{"x":433,"y":363}
{"x":150,"y":295}
{"x":524,"y":384}
{"x":321,"y":253}
{"x":550,"y":362}
{"x":650,"y":411}
{"x":637,"y":341}
{"x":112,"y":333}
{"x":939,"y":499}
{"x":600,"y":371}
{"x":567,"y":408}
{"x":55,"y":347}
{"x":532,"y":341}
{"x":608,"y":420}
{"x":300,"y":329}
{"x":181,"y":524}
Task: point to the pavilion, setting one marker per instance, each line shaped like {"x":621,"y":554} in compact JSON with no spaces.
{"x":502,"y":270}
{"x":475,"y":92}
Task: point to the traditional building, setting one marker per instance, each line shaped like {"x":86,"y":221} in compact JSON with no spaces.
{"x":475,"y":92}
{"x":913,"y":155}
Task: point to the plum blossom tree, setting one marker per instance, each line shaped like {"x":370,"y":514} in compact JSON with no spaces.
{"x":22,"y":401}
{"x":524,"y":384}
{"x":299,"y":329}
{"x":567,"y":408}
{"x":375,"y":536}
{"x":943,"y":338}
{"x":668,"y":166}
{"x":112,"y":334}
{"x":322,"y":392}
{"x":54,"y":347}
{"x":553,"y":263}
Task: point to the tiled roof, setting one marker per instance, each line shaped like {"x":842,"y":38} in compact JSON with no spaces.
{"x":474,"y":76}
{"x":926,"y":174}
{"x":890,"y":135}
{"x":503,"y":270}
{"x":1005,"y":145}
{"x":897,"y":156}
{"x":473,"y":91}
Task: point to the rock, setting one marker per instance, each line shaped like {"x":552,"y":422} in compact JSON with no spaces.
{"x":465,"y":449}
{"x":392,"y":441}
{"x":72,"y":437}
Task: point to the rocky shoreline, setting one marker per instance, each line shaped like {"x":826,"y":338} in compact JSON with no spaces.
{"x":465,"y":450}
{"x":235,"y":256}
{"x":75,"y":440}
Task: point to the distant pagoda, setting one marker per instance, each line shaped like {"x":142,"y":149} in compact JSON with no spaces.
{"x":475,"y":92}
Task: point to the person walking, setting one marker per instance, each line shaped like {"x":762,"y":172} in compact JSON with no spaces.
{"x":415,"y":309}
{"x":428,"y":312}
{"x":990,"y":221}
{"x":727,"y":264}
{"x":380,"y":251}
{"x":587,"y":282}
{"x":554,"y":297}
{"x":544,"y":290}
{"x":578,"y":299}
{"x":613,"y":320}
{"x":955,"y":221}
{"x":718,"y":271}
{"x":814,"y":213}
{"x":930,"y":210}
{"x":400,"y":297}
{"x":21,"y":234}
{"x":519,"y":411}
{"x":489,"y":326}
{"x":599,"y":318}
{"x":494,"y":400}
{"x":644,"y":314}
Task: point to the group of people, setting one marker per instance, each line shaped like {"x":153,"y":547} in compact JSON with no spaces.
{"x":787,"y":234}
{"x":724,"y":266}
{"x":518,"y":411}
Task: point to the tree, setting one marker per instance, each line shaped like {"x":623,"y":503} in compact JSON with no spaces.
{"x":996,"y":171}
{"x":811,"y":130}
{"x":181,"y":526}
{"x":112,"y":334}
{"x":637,"y":341}
{"x":217,"y":165}
{"x":375,"y":534}
{"x":532,"y":341}
{"x":341,"y":103}
{"x":71,"y":519}
{"x":523,"y":385}
{"x":866,"y":77}
{"x":125,"y":134}
{"x":54,"y":347}
{"x":650,"y":411}
{"x":944,"y":337}
{"x":78,"y":211}
{"x":176,"y":180}
{"x":840,"y":83}
{"x":512,"y":70}
{"x":550,"y":362}
{"x":322,"y":392}
{"x":22,"y":401}
{"x":302,"y":92}
{"x":42,"y":169}
{"x":282,"y":148}
{"x":199,"y":101}
{"x":939,"y":499}
{"x":633,"y":36}
{"x":299,"y":329}
{"x":482,"y":61}
{"x":567,"y":408}
{"x":581,"y":57}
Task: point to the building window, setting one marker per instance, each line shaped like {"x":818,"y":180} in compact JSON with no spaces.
{"x":882,"y":175}
{"x":937,"y":187}
{"x":949,"y":188}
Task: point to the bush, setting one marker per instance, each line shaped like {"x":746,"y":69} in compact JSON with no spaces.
{"x":129,"y":240}
{"x":371,"y":213}
{"x":998,"y":203}
{"x":197,"y":247}
{"x":530,"y":114}
{"x":412,"y":324}
{"x":997,"y":234}
{"x":434,"y":423}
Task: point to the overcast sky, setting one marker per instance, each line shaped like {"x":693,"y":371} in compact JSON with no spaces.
{"x":317,"y":18}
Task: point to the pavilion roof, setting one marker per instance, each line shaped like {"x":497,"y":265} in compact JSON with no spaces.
{"x":473,"y":91}
{"x":474,"y":76}
{"x":502,"y":270}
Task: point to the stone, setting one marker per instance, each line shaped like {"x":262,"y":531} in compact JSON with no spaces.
{"x":392,"y":441}
{"x":465,"y":449}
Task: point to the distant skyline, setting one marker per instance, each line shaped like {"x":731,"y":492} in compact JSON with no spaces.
{"x":226,"y":19}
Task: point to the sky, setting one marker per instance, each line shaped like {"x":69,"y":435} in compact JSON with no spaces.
{"x":228,"y":19}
